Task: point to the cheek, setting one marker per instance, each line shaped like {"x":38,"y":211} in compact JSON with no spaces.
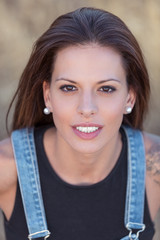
{"x":114,"y":115}
{"x":62,"y":110}
{"x":114,"y":106}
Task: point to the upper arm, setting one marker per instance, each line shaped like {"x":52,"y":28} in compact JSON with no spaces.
{"x":8,"y":173}
{"x":152,"y":148}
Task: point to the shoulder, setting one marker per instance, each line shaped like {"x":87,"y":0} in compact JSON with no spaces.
{"x":152,"y":149}
{"x":6,"y":148}
{"x":8,"y":173}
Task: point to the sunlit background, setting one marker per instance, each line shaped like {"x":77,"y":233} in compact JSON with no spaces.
{"x":23,"y":21}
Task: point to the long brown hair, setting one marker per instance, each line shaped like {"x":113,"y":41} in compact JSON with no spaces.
{"x":82,"y":26}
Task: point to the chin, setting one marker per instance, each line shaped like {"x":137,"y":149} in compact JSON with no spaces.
{"x":86,"y":149}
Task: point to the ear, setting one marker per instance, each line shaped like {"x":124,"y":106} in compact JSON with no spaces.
{"x":130,"y":101}
{"x":46,"y":95}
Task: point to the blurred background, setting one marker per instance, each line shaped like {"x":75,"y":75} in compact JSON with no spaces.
{"x":22,"y":22}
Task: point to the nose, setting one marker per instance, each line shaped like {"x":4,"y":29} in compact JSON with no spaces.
{"x":87,"y":105}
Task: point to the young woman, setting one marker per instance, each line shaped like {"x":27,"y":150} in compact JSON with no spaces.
{"x":78,"y":144}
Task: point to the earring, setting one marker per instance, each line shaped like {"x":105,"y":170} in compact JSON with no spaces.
{"x":46,"y":111}
{"x":128,"y":110}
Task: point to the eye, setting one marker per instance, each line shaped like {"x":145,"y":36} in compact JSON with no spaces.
{"x":68,"y":88}
{"x":107,"y":89}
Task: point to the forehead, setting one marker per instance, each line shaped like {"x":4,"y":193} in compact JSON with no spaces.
{"x":88,"y":60}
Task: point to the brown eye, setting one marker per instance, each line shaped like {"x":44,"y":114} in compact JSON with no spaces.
{"x":107,"y":89}
{"x":68,"y":88}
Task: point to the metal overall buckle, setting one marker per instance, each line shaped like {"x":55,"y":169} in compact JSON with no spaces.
{"x":134,"y":236}
{"x":47,"y":232}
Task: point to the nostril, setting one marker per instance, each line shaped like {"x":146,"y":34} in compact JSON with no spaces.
{"x":87,"y":113}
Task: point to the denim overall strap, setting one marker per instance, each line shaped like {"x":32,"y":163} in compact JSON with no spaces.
{"x":28,"y":175}
{"x":135,"y":194}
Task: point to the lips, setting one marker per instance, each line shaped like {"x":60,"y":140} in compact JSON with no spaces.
{"x":87,"y":131}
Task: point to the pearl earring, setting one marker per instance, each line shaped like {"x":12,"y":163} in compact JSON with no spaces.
{"x":46,"y":111}
{"x":128,"y":110}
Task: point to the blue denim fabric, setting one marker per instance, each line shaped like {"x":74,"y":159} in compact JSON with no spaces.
{"x":135,"y":195}
{"x":27,"y":168}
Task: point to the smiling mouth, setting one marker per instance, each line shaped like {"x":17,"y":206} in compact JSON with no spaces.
{"x":87,"y":129}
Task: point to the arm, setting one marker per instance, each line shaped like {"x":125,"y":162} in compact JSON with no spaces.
{"x":152,"y":147}
{"x":8,"y":177}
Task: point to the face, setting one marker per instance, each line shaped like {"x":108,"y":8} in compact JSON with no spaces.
{"x":88,"y":96}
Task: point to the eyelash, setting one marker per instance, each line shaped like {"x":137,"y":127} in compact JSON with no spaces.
{"x":71,"y":88}
{"x":107,"y":89}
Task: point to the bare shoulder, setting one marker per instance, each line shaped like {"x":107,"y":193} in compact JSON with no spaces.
{"x":6,"y":148}
{"x":8,"y":173}
{"x":152,"y":147}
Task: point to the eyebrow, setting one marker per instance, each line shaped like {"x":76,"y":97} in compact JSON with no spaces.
{"x":99,"y":82}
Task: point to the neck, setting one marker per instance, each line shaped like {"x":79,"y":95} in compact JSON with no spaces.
{"x":79,"y":168}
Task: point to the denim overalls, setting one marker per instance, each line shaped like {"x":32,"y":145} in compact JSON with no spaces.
{"x":28,"y":175}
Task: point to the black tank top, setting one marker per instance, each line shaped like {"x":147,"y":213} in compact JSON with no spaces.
{"x":94,"y":212}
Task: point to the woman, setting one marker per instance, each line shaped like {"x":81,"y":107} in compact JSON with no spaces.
{"x":84,"y":81}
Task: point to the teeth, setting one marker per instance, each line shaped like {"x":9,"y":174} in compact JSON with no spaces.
{"x":87,"y":129}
